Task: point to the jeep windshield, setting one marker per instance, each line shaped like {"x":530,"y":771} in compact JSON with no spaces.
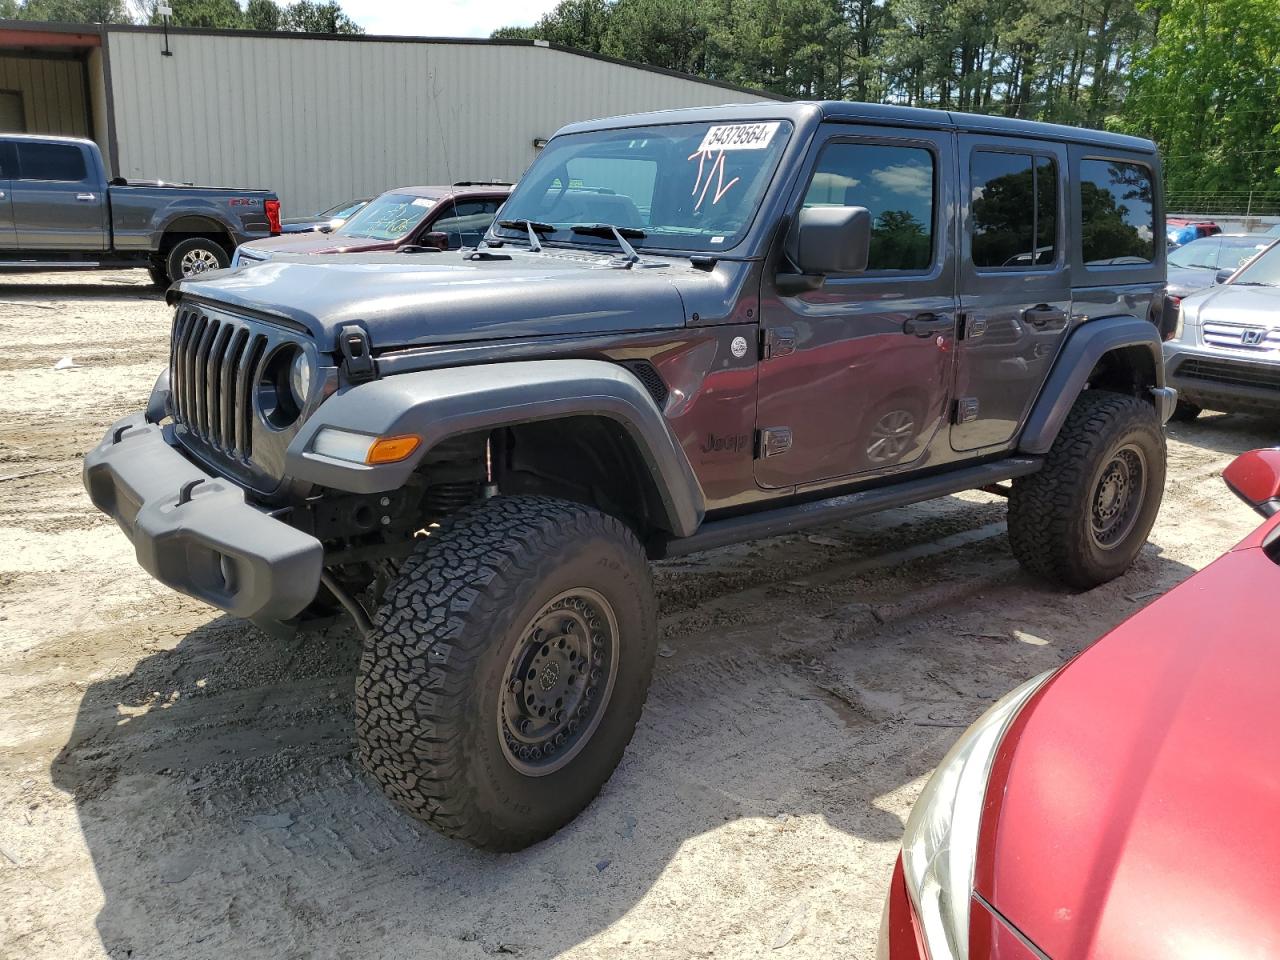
{"x":687,"y":186}
{"x":389,"y":217}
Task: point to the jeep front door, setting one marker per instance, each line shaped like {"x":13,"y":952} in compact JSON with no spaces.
{"x":855,"y":375}
{"x":1015,"y":283}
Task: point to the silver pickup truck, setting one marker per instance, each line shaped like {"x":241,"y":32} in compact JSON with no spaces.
{"x":58,"y":211}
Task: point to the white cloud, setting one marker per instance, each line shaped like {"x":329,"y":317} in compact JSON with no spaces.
{"x":905,"y":179}
{"x":443,"y":18}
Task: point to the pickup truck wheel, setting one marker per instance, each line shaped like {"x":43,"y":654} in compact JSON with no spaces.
{"x":507,"y":669}
{"x":159,"y":275}
{"x":194,"y":256}
{"x":1082,"y":519}
{"x":1185,"y":411}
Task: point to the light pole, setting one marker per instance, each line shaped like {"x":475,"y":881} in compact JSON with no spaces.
{"x":165,"y":11}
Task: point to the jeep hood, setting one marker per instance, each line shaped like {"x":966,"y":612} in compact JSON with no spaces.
{"x":418,"y":299}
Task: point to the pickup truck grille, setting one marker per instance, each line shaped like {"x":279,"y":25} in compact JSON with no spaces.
{"x":213,"y":367}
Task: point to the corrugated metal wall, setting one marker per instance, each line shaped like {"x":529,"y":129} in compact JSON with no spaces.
{"x":52,"y":91}
{"x":322,"y":121}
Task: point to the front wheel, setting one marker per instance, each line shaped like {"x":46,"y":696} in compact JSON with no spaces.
{"x":195,"y":256}
{"x":507,"y":669}
{"x":1083,"y":517}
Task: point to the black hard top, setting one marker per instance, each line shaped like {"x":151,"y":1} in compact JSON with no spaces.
{"x":884,"y":114}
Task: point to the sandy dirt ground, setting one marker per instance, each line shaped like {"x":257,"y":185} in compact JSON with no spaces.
{"x":175,"y":784}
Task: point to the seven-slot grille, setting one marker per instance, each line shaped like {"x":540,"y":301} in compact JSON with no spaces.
{"x":212,"y":372}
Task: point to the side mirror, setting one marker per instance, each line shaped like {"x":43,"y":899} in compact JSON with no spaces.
{"x":1254,"y":477}
{"x":436,"y":238}
{"x":1223,"y":275}
{"x":833,"y":240}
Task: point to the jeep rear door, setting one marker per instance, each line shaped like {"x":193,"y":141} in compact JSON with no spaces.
{"x":855,"y":376}
{"x":1015,"y":283}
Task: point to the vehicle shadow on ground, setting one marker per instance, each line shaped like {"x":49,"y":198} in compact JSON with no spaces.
{"x":225,"y":813}
{"x":1229,"y":433}
{"x":19,"y":292}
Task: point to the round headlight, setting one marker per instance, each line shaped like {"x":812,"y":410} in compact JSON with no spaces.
{"x":300,"y":378}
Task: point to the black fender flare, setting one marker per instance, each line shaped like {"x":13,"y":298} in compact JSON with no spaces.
{"x":1077,"y":359}
{"x":438,"y":404}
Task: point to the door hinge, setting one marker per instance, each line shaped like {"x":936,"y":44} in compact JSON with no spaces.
{"x":966,"y":409}
{"x":357,"y":354}
{"x":777,"y":342}
{"x":772,"y":441}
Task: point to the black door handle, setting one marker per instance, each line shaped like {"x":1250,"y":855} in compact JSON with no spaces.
{"x":927,"y":324}
{"x":1042,"y":314}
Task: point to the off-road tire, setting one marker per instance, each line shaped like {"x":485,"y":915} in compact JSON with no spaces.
{"x":1050,"y":511}
{"x":209,"y":250}
{"x":1185,"y":411}
{"x":430,"y":687}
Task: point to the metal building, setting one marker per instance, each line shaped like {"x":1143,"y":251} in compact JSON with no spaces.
{"x":319,"y":119}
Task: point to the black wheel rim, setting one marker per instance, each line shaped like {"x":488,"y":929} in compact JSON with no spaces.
{"x":1118,"y":496}
{"x":558,"y":682}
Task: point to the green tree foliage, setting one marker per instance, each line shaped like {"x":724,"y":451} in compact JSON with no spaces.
{"x":1208,"y":90}
{"x":309,"y":16}
{"x":76,"y":11}
{"x":219,"y":14}
{"x":263,"y":15}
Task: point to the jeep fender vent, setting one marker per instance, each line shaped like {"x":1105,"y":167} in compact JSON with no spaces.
{"x":644,"y":372}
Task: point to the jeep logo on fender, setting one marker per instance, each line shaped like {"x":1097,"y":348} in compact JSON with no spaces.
{"x":714,"y":444}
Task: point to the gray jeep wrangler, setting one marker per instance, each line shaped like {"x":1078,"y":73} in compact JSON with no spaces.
{"x":686,"y":329}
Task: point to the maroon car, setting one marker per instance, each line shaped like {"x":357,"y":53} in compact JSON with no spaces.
{"x":443,"y":217}
{"x":1124,"y":806}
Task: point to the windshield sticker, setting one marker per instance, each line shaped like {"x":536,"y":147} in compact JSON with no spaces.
{"x":740,"y":136}
{"x":425,"y":202}
{"x":716,"y":173}
{"x":717,"y":239}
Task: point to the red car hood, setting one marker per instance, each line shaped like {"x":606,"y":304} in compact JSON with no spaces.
{"x":1132,"y":810}
{"x":319,"y":243}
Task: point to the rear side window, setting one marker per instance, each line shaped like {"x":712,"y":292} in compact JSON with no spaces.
{"x":1014,"y":209}
{"x":51,"y":161}
{"x":896,"y":184}
{"x":1118,"y":226}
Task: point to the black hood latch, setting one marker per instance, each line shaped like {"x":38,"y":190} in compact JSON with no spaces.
{"x":357,"y":353}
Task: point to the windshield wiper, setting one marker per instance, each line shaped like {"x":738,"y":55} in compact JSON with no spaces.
{"x":1251,"y":283}
{"x":619,"y":234}
{"x":532,"y":228}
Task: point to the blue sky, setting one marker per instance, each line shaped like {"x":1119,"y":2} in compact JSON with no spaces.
{"x":444,"y":18}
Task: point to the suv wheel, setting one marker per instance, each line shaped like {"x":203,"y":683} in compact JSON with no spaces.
{"x":1082,"y":519}
{"x":507,"y":669}
{"x":194,"y":256}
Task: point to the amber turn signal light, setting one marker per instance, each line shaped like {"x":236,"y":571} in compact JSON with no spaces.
{"x":391,"y":449}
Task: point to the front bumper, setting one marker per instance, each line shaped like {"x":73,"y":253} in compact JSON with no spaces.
{"x":1221,"y":378}
{"x":194,"y":531}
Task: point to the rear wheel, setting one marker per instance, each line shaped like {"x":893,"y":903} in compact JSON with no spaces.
{"x":195,"y":256}
{"x":1185,"y":411}
{"x":1082,"y":519}
{"x":507,"y":669}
